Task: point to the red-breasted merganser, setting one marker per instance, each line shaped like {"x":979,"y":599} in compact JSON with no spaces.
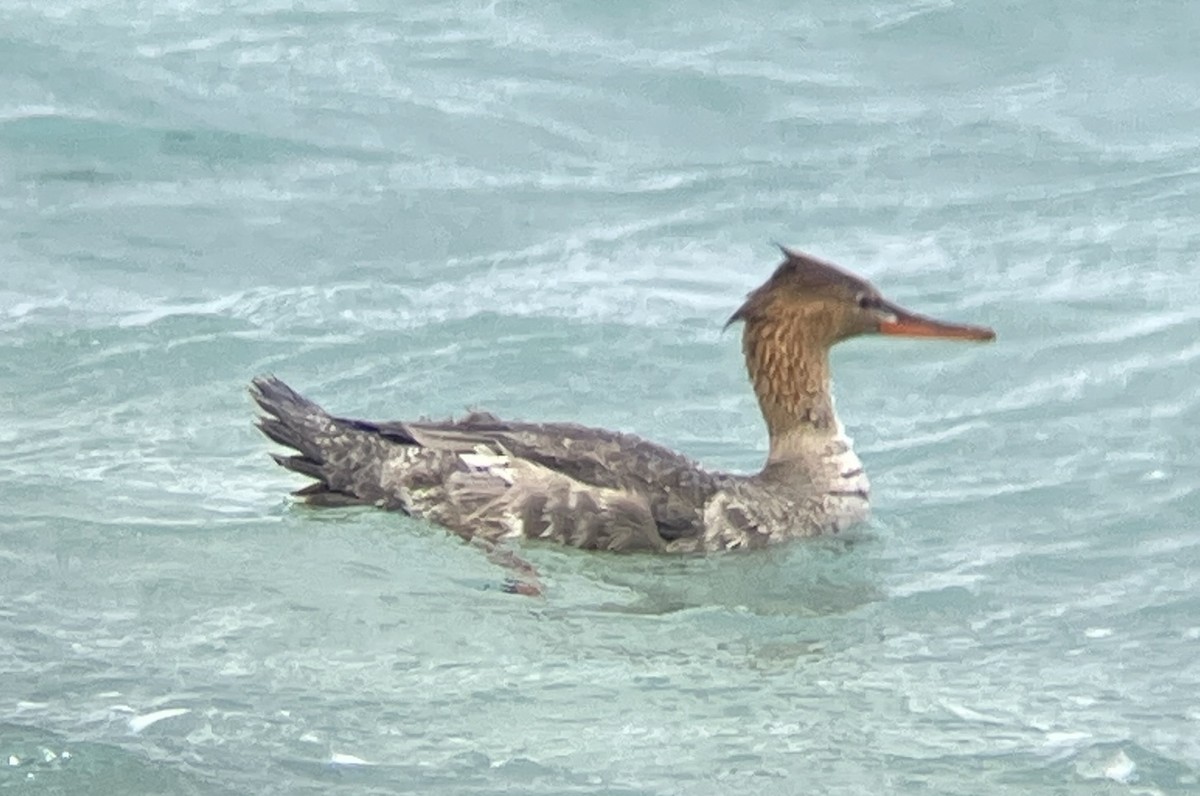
{"x":491,"y":480}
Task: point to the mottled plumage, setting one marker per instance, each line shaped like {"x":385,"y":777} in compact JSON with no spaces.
{"x":485,"y":478}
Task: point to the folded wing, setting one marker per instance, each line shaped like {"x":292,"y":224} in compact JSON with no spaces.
{"x":581,"y":486}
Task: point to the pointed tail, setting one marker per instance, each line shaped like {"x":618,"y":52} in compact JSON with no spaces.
{"x":343,"y":457}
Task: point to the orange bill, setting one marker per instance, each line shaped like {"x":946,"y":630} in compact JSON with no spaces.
{"x":909,"y":324}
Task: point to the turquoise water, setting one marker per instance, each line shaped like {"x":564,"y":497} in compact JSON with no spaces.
{"x":548,"y":211}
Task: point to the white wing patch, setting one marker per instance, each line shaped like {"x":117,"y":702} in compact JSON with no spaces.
{"x":485,"y":461}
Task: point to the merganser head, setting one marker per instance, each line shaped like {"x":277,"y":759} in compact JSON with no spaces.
{"x":824,"y":304}
{"x":793,"y":319}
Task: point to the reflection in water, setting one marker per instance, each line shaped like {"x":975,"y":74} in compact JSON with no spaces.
{"x":808,"y":578}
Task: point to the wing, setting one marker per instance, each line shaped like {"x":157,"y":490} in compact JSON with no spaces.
{"x":497,"y":496}
{"x":462,"y":482}
{"x":674,"y":487}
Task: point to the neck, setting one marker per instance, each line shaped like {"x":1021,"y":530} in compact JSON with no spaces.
{"x":790,"y":374}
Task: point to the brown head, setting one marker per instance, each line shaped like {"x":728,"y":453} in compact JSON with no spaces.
{"x":827,"y":305}
{"x":805,"y":307}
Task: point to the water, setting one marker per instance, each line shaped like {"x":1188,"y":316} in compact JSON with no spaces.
{"x":548,"y":211}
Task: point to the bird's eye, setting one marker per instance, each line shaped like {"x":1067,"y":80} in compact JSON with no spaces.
{"x":867,"y":301}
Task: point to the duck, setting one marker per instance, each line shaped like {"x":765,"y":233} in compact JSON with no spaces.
{"x":493,"y":481}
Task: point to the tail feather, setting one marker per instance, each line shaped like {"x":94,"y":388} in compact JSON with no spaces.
{"x":319,"y":494}
{"x":291,"y":420}
{"x":279,"y":431}
{"x":344,"y":458}
{"x":300,"y":464}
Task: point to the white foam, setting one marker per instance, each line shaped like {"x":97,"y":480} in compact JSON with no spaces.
{"x":1120,"y":768}
{"x":339,"y":759}
{"x":139,"y":723}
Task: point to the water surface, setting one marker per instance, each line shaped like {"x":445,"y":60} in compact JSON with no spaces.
{"x":549,"y":211}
